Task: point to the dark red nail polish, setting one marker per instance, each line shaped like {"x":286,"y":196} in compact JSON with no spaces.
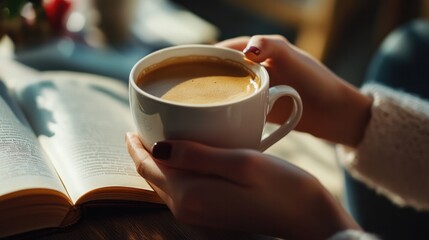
{"x":161,"y":150}
{"x":253,"y":50}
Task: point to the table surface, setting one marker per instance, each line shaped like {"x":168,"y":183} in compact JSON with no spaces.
{"x":144,"y":222}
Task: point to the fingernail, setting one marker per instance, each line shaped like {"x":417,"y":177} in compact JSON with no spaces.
{"x":161,"y":150}
{"x":128,"y":135}
{"x":253,"y":50}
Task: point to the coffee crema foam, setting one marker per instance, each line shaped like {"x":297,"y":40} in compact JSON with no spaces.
{"x":199,"y":80}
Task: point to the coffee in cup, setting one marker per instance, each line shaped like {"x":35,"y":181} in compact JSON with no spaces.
{"x":198,"y":80}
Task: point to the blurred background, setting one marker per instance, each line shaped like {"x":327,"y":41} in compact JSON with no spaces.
{"x":107,"y":37}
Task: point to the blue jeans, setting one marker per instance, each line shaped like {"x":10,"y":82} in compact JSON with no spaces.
{"x":402,"y":62}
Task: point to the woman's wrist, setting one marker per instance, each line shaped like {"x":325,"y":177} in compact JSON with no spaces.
{"x":343,"y":119}
{"x":356,"y":115}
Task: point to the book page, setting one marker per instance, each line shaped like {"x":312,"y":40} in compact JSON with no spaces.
{"x":23,"y":163}
{"x":81,"y":121}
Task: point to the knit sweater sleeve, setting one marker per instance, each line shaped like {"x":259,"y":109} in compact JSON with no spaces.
{"x":393,"y":157}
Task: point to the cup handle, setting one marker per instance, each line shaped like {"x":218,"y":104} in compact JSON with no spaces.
{"x":275,"y":93}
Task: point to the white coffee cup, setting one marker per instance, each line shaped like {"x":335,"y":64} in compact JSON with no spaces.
{"x":237,"y":124}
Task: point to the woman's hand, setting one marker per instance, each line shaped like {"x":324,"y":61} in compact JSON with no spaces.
{"x":333,"y":109}
{"x":238,"y":189}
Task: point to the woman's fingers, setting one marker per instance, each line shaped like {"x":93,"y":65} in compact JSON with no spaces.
{"x":179,"y":157}
{"x":238,"y":165}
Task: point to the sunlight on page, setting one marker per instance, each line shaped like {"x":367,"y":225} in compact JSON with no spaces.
{"x":82,"y":126}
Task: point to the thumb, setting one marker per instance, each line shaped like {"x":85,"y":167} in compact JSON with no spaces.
{"x":232,"y":164}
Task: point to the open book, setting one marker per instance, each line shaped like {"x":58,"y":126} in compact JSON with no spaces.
{"x":61,"y":147}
